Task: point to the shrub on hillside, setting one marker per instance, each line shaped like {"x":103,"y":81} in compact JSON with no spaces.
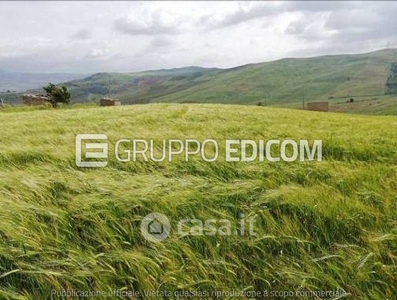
{"x":57,"y":94}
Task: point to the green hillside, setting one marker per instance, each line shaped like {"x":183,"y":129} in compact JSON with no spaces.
{"x":320,"y":226}
{"x":283,"y":82}
{"x":138,"y":87}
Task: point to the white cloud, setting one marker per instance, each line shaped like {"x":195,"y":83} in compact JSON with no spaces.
{"x":132,"y":36}
{"x":83,"y":35}
{"x":99,"y":53}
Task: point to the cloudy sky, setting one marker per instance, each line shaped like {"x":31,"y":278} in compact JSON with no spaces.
{"x":87,"y":37}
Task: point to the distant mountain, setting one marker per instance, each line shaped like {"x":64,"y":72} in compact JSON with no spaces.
{"x":287,"y":81}
{"x":23,"y":81}
{"x":140,"y":87}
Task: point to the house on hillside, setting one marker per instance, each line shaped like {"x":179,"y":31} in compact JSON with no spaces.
{"x":318,"y":106}
{"x":30,"y":99}
{"x":109,"y":102}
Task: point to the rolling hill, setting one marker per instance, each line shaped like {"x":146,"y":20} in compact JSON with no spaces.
{"x":288,"y":81}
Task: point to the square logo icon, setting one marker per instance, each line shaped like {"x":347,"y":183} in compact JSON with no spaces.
{"x":91,"y":154}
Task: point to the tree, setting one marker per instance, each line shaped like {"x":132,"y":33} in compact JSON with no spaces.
{"x":57,"y":94}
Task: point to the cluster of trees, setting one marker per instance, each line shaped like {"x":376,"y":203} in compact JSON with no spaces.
{"x":57,"y":94}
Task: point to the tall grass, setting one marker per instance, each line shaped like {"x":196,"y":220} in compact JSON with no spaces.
{"x":320,"y":225}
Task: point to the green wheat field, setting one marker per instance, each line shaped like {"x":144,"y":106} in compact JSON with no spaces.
{"x":321,"y":226}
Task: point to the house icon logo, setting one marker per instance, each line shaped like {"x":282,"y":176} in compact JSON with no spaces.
{"x":155,"y":227}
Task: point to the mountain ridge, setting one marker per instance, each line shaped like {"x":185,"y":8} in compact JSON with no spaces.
{"x":282,"y":82}
{"x":19,"y":82}
{"x":285,"y":82}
